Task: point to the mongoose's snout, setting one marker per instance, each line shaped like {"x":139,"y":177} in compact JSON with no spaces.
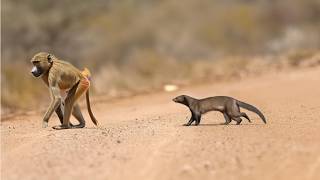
{"x":178,"y":99}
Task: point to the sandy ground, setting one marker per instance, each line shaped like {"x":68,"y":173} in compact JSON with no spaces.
{"x":143,"y":137}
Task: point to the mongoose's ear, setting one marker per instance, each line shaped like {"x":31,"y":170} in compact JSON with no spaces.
{"x":49,"y":58}
{"x":185,"y":100}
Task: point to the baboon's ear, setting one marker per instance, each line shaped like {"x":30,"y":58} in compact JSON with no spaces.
{"x":49,"y":57}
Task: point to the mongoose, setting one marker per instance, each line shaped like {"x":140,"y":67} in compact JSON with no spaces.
{"x":226,"y":105}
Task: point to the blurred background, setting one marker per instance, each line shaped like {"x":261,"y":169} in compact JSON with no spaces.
{"x":138,"y":46}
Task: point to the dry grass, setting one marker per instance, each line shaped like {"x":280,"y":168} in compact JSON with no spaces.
{"x":139,"y":46}
{"x":147,"y":72}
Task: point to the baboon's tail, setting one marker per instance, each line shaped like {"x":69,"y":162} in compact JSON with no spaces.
{"x":87,"y":74}
{"x":94,"y":120}
{"x":253,"y":109}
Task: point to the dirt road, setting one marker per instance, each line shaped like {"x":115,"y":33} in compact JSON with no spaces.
{"x":143,"y":137}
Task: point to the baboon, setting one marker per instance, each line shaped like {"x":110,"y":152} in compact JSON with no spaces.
{"x":226,"y":105}
{"x":61,"y":76}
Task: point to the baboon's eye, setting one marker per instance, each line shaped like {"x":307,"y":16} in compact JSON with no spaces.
{"x":35,"y":62}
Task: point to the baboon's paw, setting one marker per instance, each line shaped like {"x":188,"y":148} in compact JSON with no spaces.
{"x":60,"y":127}
{"x":77,"y":126}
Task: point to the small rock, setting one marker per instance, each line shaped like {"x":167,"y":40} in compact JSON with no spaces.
{"x":186,"y":169}
{"x":206,"y":165}
{"x":170,"y":87}
{"x":104,"y":133}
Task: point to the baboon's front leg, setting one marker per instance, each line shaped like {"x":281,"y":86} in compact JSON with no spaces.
{"x":59,"y":112}
{"x":66,"y":115}
{"x":68,"y":108}
{"x":56,"y":100}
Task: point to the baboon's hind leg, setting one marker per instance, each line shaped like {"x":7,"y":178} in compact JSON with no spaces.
{"x":83,"y":86}
{"x":78,"y":115}
{"x":59,"y":112}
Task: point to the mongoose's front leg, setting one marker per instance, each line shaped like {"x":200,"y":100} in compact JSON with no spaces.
{"x":198,"y":119}
{"x":191,"y":119}
{"x":227,"y":118}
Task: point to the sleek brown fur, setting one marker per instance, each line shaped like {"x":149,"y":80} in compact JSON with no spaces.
{"x":226,"y":105}
{"x":60,"y":76}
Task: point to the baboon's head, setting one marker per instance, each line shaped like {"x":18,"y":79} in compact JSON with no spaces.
{"x":182,"y":99}
{"x":41,"y":63}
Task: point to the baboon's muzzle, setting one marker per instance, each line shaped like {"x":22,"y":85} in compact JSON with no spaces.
{"x":36,"y":72}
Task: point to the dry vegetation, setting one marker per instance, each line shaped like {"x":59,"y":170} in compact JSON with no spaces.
{"x":138,"y":46}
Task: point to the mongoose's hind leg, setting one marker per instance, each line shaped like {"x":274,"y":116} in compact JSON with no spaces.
{"x":246,"y":116}
{"x":227,"y":118}
{"x":238,"y":119}
{"x":233,"y":111}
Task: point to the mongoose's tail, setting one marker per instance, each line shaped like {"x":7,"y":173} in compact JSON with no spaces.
{"x":253,"y":109}
{"x":87,"y":74}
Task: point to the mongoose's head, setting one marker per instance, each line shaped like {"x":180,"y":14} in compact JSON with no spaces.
{"x":41,"y":63}
{"x":182,"y":99}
